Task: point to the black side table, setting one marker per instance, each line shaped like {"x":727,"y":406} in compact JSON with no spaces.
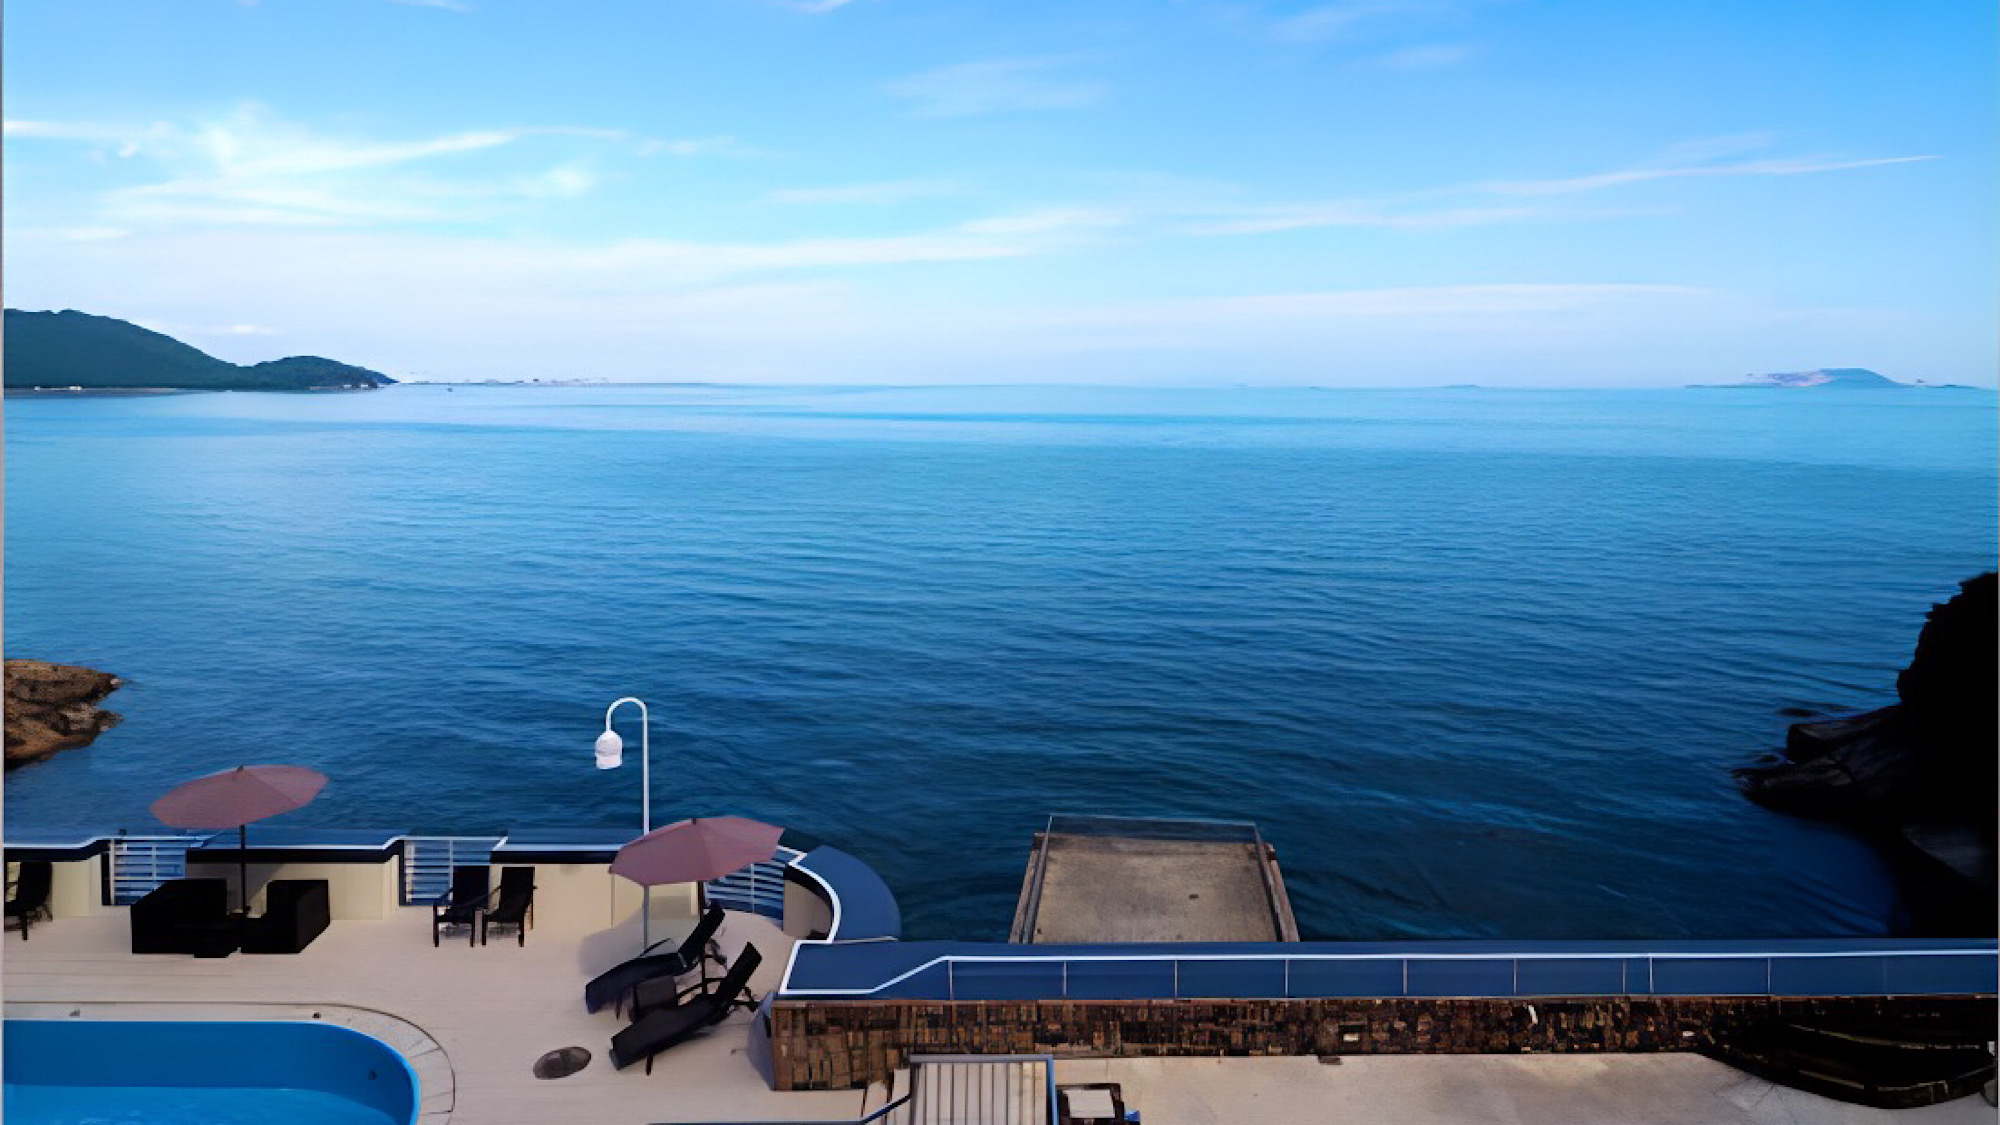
{"x":655,"y":995}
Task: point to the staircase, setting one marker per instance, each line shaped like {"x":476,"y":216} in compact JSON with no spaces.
{"x":978,"y":1090}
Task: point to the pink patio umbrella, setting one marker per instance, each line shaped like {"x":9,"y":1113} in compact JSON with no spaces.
{"x":691,"y":851}
{"x":234,"y":798}
{"x":694,"y":851}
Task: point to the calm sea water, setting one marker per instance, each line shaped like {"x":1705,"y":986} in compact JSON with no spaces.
{"x":1478,"y":662}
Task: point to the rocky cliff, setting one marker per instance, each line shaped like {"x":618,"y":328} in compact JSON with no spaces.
{"x":53,"y":707}
{"x":1920,"y":774}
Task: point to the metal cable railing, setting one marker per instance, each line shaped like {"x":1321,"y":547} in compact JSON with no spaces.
{"x":138,"y":864}
{"x":428,"y":860}
{"x":756,"y":889}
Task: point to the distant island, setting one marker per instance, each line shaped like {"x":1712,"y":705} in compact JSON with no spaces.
{"x":74,"y":351}
{"x":1846,"y":377}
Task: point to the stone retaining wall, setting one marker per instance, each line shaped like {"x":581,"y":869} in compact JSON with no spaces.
{"x":842,"y":1044}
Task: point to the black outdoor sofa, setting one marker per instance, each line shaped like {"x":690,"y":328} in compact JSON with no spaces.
{"x":185,"y":916}
{"x":614,"y":985}
{"x":295,"y":912}
{"x":670,"y":1018}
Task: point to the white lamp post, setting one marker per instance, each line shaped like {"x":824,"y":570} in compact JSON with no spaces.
{"x":610,"y":755}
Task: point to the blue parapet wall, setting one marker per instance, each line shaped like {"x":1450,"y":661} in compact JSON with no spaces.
{"x":864,"y":909}
{"x":991,"y":971}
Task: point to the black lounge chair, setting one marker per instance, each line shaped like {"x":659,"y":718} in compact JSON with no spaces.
{"x":462,"y":904}
{"x":691,"y":1012}
{"x":513,"y":905}
{"x":613,"y":985}
{"x":30,"y":897}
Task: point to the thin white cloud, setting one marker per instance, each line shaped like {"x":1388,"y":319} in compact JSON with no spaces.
{"x":565,"y":181}
{"x":1347,"y":19}
{"x":1050,"y":221}
{"x":1428,"y":56}
{"x":71,"y":234}
{"x":1778,"y":167}
{"x":694,"y":146}
{"x":995,"y":86}
{"x":1707,"y":150}
{"x":64,"y":131}
{"x":884,"y":192}
{"x":251,"y":168}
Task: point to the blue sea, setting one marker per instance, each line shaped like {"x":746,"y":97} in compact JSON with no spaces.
{"x":1478,"y":662}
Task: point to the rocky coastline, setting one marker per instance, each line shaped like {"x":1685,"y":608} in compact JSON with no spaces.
{"x":1918,"y":776}
{"x":53,"y":707}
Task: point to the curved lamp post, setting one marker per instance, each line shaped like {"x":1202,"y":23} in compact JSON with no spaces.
{"x":610,"y":755}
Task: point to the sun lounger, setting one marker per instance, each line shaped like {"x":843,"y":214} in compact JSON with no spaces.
{"x":613,"y":985}
{"x":696,"y":1009}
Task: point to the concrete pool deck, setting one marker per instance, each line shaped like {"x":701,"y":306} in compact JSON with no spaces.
{"x":491,"y":1010}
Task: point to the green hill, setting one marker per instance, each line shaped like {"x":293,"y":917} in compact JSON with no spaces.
{"x":73,"y":349}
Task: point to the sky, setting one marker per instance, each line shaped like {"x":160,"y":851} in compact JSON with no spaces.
{"x":1335,"y":193}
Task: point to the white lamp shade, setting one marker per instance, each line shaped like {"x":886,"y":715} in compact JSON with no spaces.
{"x":610,"y":750}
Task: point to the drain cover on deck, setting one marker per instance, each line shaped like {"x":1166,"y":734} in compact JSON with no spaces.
{"x":562,"y":1063}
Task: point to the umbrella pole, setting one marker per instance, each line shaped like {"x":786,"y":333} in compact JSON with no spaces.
{"x":243,"y":869}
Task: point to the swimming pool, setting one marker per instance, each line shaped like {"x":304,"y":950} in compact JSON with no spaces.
{"x":69,"y":1072}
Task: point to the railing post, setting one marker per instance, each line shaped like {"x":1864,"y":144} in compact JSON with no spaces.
{"x":951,"y":979}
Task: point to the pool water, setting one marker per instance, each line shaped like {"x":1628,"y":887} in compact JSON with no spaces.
{"x":102,"y":1072}
{"x":183,"y":1105}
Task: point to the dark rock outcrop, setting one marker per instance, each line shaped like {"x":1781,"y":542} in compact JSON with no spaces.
{"x":53,"y":707}
{"x":1919,"y":774}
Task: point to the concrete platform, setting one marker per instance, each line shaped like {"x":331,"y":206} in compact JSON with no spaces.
{"x":1664,"y":1089}
{"x":1151,"y":881}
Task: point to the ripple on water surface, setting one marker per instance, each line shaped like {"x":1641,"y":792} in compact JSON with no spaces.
{"x":1477,"y":664}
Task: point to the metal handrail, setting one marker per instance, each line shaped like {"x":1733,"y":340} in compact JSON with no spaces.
{"x":756,"y":888}
{"x":413,"y":893}
{"x":123,"y":885}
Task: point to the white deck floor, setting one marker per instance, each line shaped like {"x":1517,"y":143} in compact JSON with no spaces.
{"x":493,"y":1010}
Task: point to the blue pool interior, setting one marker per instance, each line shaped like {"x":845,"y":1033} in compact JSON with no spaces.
{"x":68,"y":1072}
